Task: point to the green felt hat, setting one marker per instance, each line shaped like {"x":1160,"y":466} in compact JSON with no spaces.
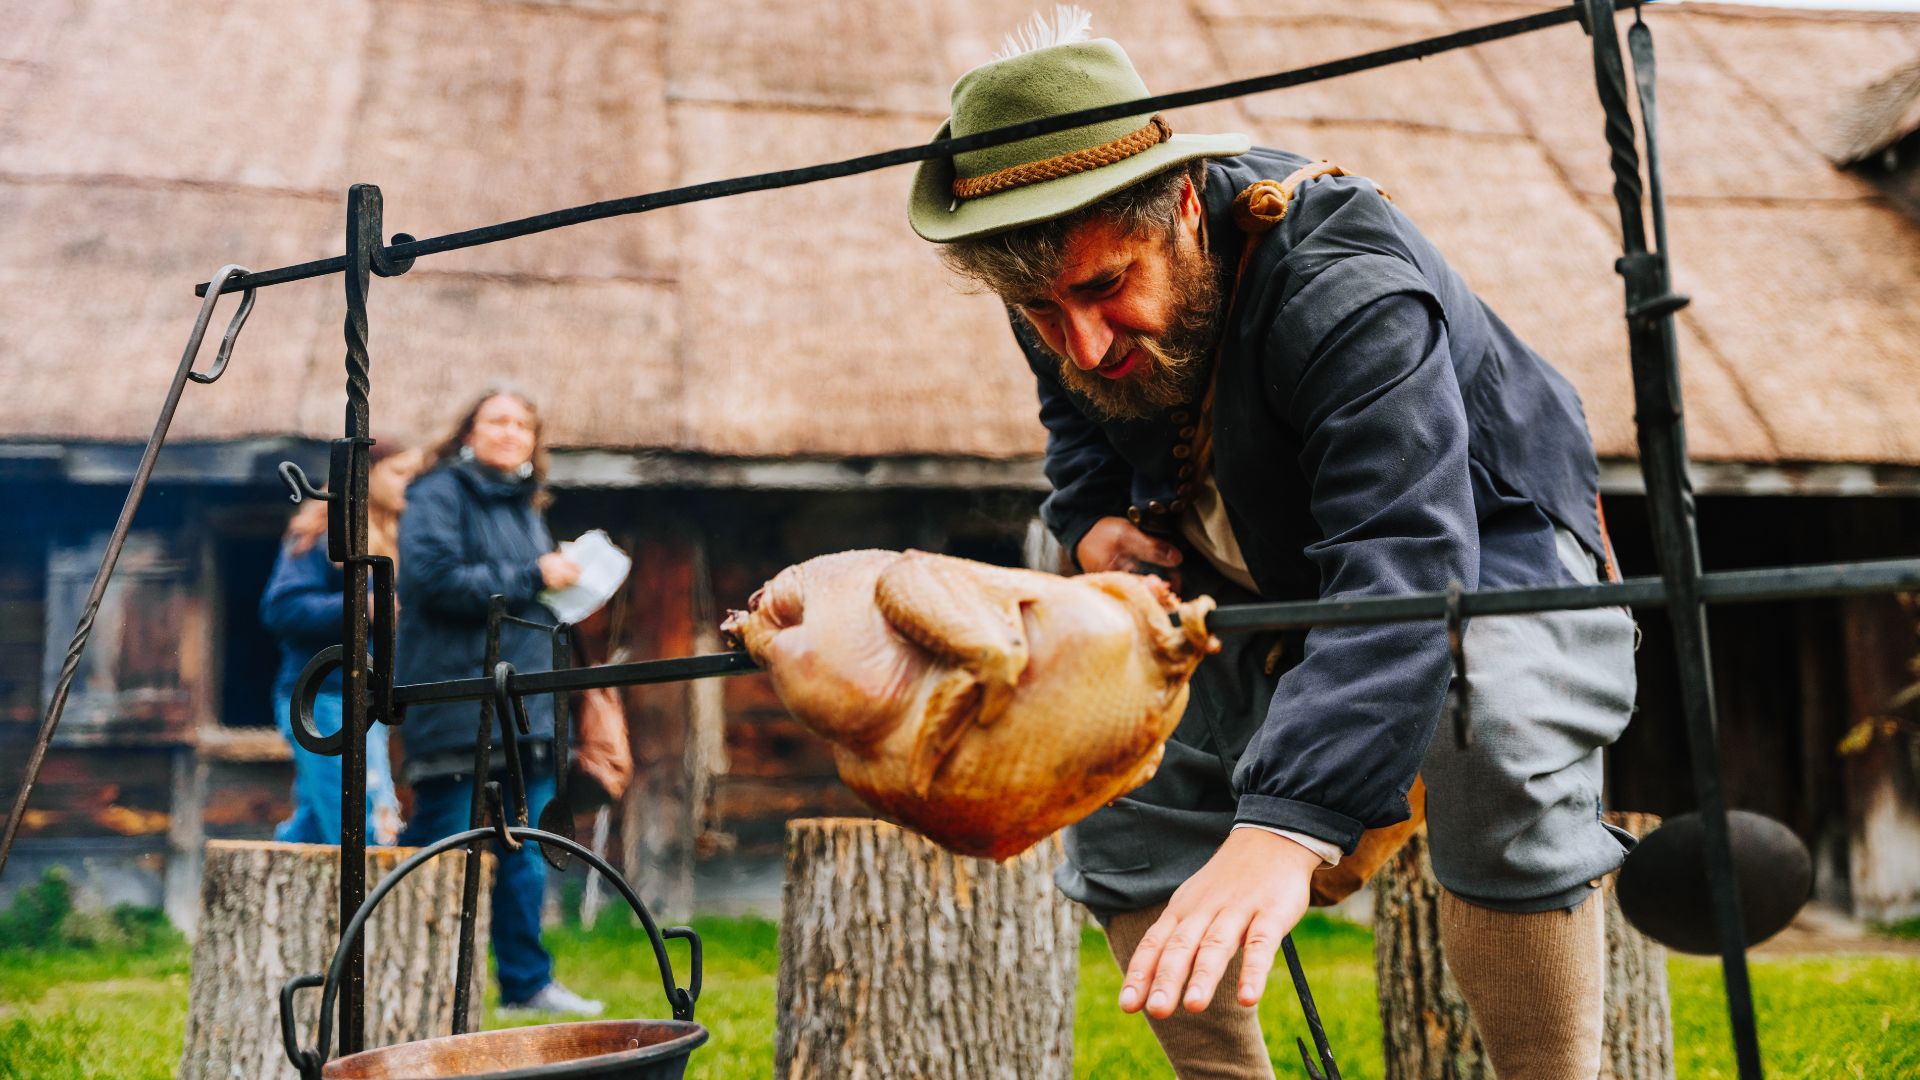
{"x":1046,"y":176}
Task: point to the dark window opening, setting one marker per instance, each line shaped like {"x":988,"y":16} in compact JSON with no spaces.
{"x":250,"y":656}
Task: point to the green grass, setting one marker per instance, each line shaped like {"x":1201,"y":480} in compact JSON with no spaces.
{"x":1905,"y":928}
{"x":1820,"y":1017}
{"x":75,"y":1012}
{"x":119,"y":1010}
{"x":614,"y":962}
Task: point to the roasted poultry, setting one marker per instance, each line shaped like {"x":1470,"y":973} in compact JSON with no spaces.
{"x":981,"y":706}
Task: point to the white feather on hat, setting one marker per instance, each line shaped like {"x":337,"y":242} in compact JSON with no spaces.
{"x":1070,"y":23}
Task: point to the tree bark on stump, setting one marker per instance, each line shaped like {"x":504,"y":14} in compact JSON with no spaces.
{"x":1427,"y":1030}
{"x":268,"y":913}
{"x":898,"y":959}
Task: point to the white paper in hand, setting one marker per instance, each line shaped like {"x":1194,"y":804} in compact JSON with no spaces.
{"x":602,"y":568}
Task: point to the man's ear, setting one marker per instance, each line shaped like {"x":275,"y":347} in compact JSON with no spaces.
{"x":1191,"y":207}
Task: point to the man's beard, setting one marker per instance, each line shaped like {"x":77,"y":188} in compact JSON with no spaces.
{"x":1172,"y":362}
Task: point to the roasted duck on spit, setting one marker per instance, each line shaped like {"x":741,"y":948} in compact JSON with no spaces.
{"x":980,"y":706}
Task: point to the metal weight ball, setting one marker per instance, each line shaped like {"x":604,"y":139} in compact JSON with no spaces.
{"x":1663,"y":887}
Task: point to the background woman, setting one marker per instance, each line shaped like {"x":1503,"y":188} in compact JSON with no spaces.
{"x":474,"y":529}
{"x":303,"y":608}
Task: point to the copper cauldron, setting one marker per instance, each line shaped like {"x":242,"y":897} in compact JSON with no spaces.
{"x":626,"y":1049}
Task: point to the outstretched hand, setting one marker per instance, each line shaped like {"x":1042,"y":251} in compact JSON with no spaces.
{"x":1251,"y":893}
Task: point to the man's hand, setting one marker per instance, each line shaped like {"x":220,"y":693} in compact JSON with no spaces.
{"x":1252,"y":891}
{"x":1114,"y":543}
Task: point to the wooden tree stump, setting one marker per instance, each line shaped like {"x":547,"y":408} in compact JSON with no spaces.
{"x":898,"y":959}
{"x":268,"y":913}
{"x":1428,"y":1032}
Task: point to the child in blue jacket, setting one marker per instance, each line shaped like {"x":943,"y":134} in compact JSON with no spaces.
{"x":303,"y":607}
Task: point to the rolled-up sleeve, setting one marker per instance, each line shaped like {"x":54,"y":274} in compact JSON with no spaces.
{"x":1360,"y":368}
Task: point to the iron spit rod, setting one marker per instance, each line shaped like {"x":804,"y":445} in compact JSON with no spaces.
{"x":1725,"y":587}
{"x":715,"y":189}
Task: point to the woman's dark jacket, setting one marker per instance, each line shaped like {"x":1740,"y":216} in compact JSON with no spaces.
{"x":1375,"y":427}
{"x":303,"y":609}
{"x":468,"y":533}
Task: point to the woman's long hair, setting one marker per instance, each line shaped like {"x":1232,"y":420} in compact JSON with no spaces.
{"x":448,"y":448}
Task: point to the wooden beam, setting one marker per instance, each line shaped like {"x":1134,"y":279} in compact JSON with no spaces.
{"x":186,"y":840}
{"x":1619,"y":476}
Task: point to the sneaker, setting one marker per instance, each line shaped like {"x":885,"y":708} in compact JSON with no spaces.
{"x":554,"y":998}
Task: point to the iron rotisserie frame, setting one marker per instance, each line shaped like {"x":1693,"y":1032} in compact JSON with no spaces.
{"x":366,"y":655}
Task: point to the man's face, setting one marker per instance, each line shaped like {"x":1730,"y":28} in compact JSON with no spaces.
{"x":1131,"y":318}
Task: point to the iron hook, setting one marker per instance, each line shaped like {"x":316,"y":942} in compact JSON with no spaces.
{"x":305,"y":689}
{"x":298,"y":486}
{"x":496,"y":804}
{"x":383,"y":263}
{"x":506,"y":704}
{"x":220,"y":356}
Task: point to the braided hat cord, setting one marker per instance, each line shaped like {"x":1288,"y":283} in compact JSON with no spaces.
{"x":1053,"y":168}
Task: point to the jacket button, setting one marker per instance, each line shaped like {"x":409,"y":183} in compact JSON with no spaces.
{"x":1180,"y":416}
{"x":1156,"y":507}
{"x":1183,"y":451}
{"x":1177,"y":505}
{"x":1133,"y":514}
{"x":1186,"y":471}
{"x":1187,"y":432}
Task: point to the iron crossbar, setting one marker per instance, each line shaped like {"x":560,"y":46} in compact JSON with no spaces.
{"x":1725,"y":587}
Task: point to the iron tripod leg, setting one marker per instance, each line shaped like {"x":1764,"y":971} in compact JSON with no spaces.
{"x":1328,"y":1070}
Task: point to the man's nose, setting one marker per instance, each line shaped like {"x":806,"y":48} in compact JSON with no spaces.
{"x":1088,"y":337}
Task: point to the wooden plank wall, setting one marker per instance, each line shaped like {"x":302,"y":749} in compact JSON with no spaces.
{"x":1791,"y":681}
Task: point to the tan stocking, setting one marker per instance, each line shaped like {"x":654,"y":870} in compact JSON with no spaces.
{"x":1535,"y":983}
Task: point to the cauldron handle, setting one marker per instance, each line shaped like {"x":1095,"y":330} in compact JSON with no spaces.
{"x":308,"y":1061}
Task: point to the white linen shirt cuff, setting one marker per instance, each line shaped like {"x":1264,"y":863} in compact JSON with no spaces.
{"x":1329,"y":853}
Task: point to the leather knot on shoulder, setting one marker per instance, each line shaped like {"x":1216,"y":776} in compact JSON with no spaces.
{"x":1260,"y":206}
{"x":1263,"y":204}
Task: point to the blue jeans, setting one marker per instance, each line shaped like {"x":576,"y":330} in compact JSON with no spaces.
{"x":316,"y":779}
{"x":440,"y":809}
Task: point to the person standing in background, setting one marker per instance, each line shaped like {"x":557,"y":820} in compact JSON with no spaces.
{"x":304,"y":607}
{"x":474,"y":529}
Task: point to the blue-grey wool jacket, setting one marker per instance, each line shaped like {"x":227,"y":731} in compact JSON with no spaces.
{"x":1373,"y":420}
{"x":468,"y":534}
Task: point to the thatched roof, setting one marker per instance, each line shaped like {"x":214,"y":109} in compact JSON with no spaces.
{"x":144,"y":143}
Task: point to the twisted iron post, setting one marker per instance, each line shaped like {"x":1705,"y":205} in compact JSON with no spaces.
{"x":1654,"y":349}
{"x":347,"y":540}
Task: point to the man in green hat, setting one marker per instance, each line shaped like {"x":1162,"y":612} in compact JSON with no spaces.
{"x":1258,"y":378}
